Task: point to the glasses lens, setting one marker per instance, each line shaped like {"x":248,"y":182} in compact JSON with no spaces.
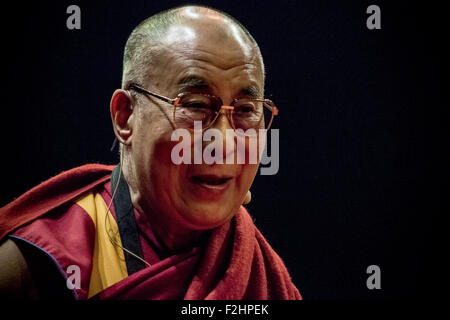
{"x":195,"y":107}
{"x":251,"y":114}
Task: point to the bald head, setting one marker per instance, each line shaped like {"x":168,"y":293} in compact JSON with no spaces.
{"x":181,"y":26}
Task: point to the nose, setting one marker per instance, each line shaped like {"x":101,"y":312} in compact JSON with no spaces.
{"x":223,"y":124}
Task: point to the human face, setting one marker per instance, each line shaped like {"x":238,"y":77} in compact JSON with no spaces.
{"x":196,"y":56}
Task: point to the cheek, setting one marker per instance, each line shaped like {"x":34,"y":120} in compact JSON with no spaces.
{"x":249,"y":170}
{"x":246,"y":177}
{"x":162,"y":151}
{"x":152,"y":149}
{"x":151,"y":138}
{"x":163,"y":171}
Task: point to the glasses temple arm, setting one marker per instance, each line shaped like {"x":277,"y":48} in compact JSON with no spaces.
{"x":142,"y":90}
{"x":271,"y":107}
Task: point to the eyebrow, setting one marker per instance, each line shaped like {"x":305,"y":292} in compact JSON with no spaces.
{"x":196,"y":82}
{"x":252,"y":91}
{"x":193,"y":82}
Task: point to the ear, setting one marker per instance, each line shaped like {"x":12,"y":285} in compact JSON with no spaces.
{"x":121,"y":110}
{"x":248,"y":198}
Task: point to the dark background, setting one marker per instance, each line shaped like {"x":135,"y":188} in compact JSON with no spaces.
{"x":363,"y":173}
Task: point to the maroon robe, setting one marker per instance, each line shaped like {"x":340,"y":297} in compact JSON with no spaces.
{"x":233,"y":262}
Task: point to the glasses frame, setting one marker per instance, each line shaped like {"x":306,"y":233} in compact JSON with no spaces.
{"x":267,"y":103}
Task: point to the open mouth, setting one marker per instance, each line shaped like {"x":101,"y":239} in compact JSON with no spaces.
{"x":211,"y":180}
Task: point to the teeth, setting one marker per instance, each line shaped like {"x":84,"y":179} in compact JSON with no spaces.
{"x":211,"y":181}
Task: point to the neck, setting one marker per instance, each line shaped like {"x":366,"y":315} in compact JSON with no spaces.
{"x":171,"y":234}
{"x":170,"y":238}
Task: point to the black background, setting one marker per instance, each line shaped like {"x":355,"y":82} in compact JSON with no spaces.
{"x":363,"y":173}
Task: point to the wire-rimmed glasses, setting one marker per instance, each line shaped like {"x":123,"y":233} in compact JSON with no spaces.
{"x":245,"y":113}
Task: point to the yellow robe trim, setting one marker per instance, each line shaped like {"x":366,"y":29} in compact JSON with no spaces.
{"x":108,"y":261}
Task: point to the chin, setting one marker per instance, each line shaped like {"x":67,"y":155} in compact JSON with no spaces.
{"x":209,"y":215}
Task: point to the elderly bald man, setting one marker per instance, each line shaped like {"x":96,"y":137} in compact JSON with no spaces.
{"x":149,"y":228}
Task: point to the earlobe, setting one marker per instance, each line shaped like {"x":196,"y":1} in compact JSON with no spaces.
{"x":121,"y":110}
{"x":248,"y":198}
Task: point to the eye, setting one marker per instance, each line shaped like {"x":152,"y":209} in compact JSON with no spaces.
{"x":195,"y":105}
{"x":198,"y":102}
{"x":245,"y":107}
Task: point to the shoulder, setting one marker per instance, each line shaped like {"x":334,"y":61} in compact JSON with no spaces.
{"x":15,"y":276}
{"x":51,"y":194}
{"x":27,"y":273}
